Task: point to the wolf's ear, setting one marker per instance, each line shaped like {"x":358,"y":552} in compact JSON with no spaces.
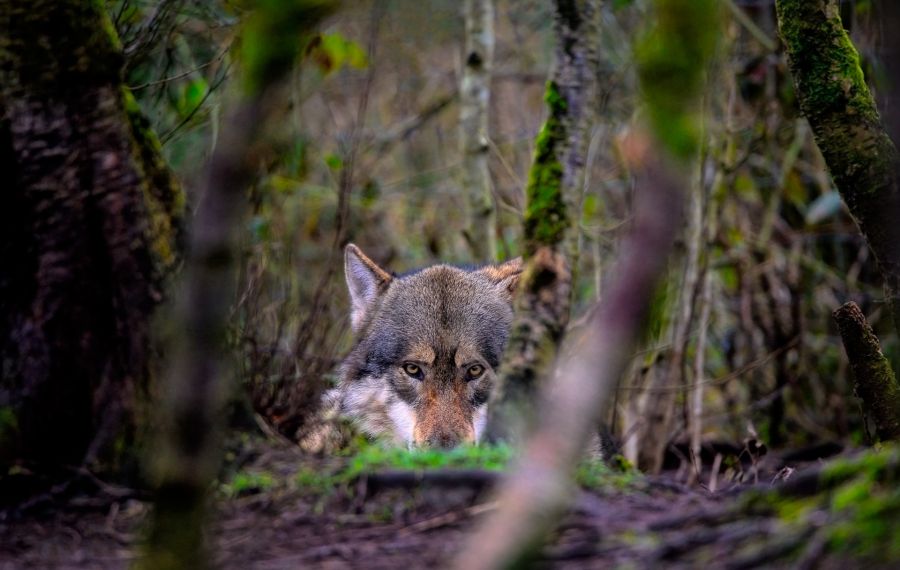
{"x":365,"y":280}
{"x":506,"y":275}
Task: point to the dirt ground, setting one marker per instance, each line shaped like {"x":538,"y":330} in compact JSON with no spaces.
{"x":401,"y":520}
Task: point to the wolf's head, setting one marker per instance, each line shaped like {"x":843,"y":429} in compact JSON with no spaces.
{"x":428,"y":346}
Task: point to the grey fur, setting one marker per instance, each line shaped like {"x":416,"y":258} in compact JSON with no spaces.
{"x":459,"y":318}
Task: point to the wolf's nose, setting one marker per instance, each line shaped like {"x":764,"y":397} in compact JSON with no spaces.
{"x":443,"y":441}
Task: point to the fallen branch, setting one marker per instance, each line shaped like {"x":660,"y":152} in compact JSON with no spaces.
{"x":875,"y":383}
{"x":446,"y":519}
{"x":755,"y":530}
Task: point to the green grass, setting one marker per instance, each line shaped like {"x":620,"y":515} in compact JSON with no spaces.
{"x":247,"y":483}
{"x":597,"y":475}
{"x":372,"y":458}
{"x":375,"y":458}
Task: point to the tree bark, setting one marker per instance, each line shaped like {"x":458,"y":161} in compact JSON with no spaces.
{"x":551,"y":220}
{"x":847,"y":128}
{"x":475,"y":95}
{"x":89,"y":229}
{"x":875,"y":383}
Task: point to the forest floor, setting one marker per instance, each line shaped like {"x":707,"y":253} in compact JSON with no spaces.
{"x":278,"y":511}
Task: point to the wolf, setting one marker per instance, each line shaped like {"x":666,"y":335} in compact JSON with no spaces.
{"x":427,"y":347}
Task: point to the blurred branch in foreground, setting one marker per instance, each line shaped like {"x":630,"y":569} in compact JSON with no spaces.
{"x":198,"y":381}
{"x":672,"y":63}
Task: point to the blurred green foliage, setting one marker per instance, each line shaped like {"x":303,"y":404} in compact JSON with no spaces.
{"x":372,"y":458}
{"x":333,"y":51}
{"x":271,"y":40}
{"x":248,"y":482}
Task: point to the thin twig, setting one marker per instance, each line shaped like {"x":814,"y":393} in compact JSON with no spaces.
{"x":174,"y":130}
{"x":755,"y":31}
{"x":446,"y":519}
{"x":183,"y":74}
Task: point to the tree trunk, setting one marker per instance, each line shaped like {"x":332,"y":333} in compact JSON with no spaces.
{"x":847,"y":128}
{"x":475,"y":95}
{"x":551,"y":220}
{"x":88,"y":229}
{"x":875,"y":383}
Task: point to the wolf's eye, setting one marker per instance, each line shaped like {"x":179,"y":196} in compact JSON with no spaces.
{"x":475,"y":371}
{"x":412,"y":369}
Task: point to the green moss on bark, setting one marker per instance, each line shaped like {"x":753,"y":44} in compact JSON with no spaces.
{"x":546,"y":216}
{"x":865,"y":506}
{"x":833,"y":91}
{"x":84,"y":50}
{"x":163,"y":196}
{"x":854,"y":502}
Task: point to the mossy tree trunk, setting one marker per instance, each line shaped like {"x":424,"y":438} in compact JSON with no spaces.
{"x":89,"y":220}
{"x":847,"y":128}
{"x":551,"y":219}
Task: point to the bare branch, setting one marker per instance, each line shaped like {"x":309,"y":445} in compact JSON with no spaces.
{"x":875,"y":381}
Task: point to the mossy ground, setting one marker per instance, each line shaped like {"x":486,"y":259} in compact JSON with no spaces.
{"x":338,"y":474}
{"x":278,"y":508}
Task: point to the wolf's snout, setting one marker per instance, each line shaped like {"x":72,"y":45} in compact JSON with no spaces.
{"x":444,"y":440}
{"x":443,"y":435}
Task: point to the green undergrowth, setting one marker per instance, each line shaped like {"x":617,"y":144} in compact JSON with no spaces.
{"x":866,"y":506}
{"x":373,"y":458}
{"x":328,"y":476}
{"x":365,"y":459}
{"x":248,"y":483}
{"x":599,"y":476}
{"x":856,"y":507}
{"x":323,"y":479}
